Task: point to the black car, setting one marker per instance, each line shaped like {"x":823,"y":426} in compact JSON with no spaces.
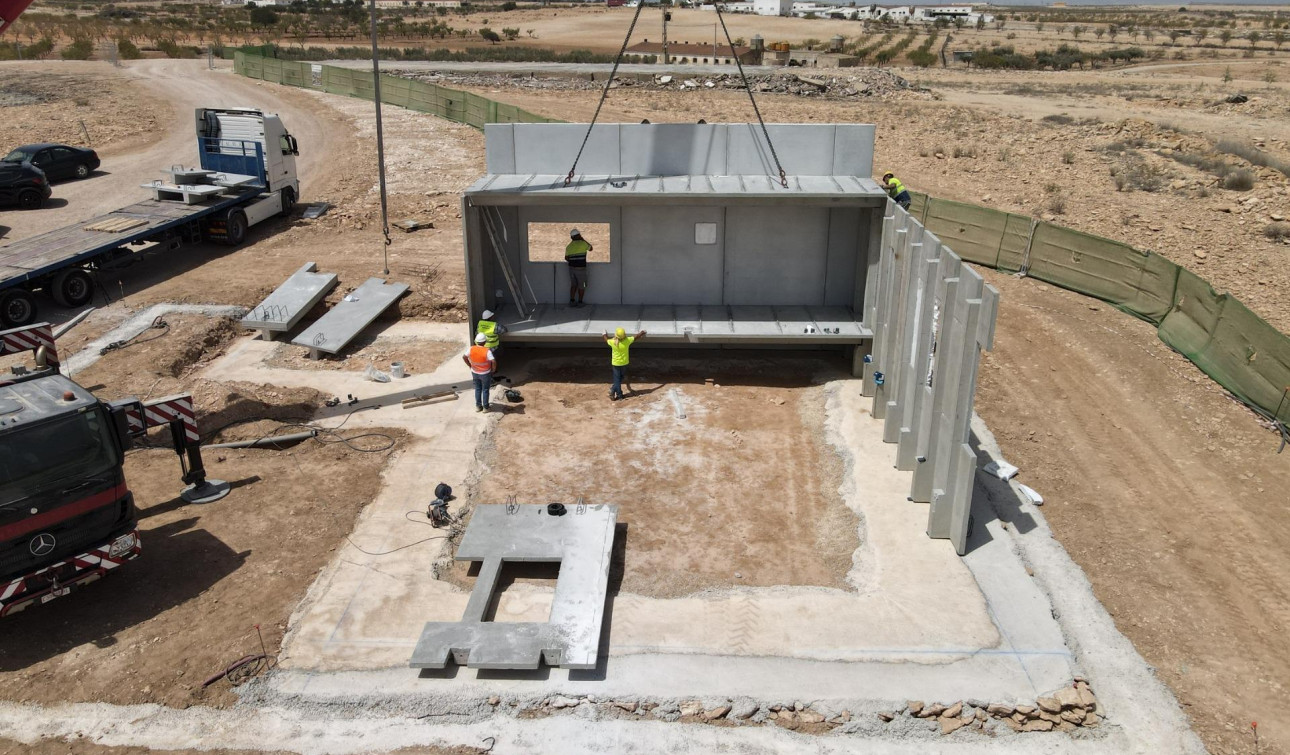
{"x":59,"y":161}
{"x":23,"y":185}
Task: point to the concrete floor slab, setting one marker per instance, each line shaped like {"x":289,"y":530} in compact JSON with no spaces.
{"x":580,"y":538}
{"x":917,"y":621}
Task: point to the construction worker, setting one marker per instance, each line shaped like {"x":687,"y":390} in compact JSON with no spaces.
{"x":482,"y":363}
{"x":491,"y":331}
{"x":618,"y":346}
{"x":576,"y":255}
{"x":896,"y":190}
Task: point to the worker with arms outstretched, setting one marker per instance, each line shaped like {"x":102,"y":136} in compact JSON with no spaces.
{"x":618,"y":347}
{"x":575,"y":254}
{"x":896,"y":190}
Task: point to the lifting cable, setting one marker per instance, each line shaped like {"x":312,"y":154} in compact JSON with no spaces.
{"x":783,"y":179}
{"x":604,"y":94}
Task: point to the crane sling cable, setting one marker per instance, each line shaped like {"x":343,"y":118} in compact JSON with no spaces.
{"x":604,"y":95}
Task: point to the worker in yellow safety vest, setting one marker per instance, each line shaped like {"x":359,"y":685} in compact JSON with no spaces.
{"x":481,"y":362}
{"x":896,"y":190}
{"x":575,"y":254}
{"x":619,"y":345}
{"x":491,"y":331}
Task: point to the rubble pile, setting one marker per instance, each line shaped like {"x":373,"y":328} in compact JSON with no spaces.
{"x":856,"y":82}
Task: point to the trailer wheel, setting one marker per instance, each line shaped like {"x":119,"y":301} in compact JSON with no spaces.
{"x":72,"y":287}
{"x":82,"y":171}
{"x":235,"y":228}
{"x":30,"y":200}
{"x":288,"y":201}
{"x":17,"y":308}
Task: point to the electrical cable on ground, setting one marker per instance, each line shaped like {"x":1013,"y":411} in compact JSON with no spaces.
{"x":157,"y":324}
{"x":326,"y":435}
{"x":401,"y":547}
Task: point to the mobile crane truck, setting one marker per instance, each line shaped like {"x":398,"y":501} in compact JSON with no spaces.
{"x":247,"y":174}
{"x":67,"y":516}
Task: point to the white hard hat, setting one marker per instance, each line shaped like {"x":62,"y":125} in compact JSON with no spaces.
{"x":574,"y":233}
{"x":488,"y":314}
{"x":481,"y":338}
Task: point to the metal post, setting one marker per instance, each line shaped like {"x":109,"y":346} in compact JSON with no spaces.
{"x":666,"y":13}
{"x":380,"y":142}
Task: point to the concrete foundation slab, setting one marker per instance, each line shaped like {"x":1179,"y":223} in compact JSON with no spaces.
{"x":581,"y":540}
{"x":347,"y":319}
{"x":283,"y":309}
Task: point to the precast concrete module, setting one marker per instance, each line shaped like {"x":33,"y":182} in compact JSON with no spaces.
{"x":697,"y":241}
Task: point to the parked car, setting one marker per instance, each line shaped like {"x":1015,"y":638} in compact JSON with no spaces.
{"x":24,"y":185}
{"x":59,"y":161}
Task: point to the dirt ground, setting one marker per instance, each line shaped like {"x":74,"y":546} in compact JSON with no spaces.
{"x":1168,"y":494}
{"x":1159,"y":486}
{"x":209,"y":574}
{"x":703,"y":507}
{"x":117,"y":114}
{"x":417,"y":355}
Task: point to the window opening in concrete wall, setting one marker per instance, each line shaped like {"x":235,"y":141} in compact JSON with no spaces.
{"x":548,"y":240}
{"x":705,"y":233}
{"x":525,"y":591}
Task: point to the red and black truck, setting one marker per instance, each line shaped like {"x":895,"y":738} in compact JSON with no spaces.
{"x":67,"y":516}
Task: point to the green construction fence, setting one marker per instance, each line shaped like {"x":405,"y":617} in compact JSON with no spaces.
{"x":421,"y":96}
{"x":1231,"y":344}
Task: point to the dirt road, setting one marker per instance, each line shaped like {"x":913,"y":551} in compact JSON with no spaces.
{"x":179,"y":86}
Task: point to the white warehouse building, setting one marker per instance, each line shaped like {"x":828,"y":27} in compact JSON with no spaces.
{"x":772,"y":7}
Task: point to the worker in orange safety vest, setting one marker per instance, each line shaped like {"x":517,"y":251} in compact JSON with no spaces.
{"x":482,"y":363}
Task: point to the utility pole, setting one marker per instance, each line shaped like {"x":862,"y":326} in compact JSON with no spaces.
{"x":666,"y":15}
{"x":380,"y":140}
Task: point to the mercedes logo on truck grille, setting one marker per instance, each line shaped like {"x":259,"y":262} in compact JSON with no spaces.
{"x":42,"y":544}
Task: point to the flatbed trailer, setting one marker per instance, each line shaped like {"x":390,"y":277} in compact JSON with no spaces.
{"x":247,"y":175}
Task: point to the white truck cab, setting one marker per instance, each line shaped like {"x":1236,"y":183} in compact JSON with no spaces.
{"x":224,"y":132}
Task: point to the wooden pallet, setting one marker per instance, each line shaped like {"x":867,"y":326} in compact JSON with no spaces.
{"x":116,"y":225}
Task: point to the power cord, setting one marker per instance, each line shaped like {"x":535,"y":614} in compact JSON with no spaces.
{"x":157,"y":324}
{"x":401,"y":547}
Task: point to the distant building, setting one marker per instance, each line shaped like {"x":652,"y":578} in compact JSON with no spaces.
{"x":413,"y":3}
{"x":684,"y":52}
{"x":772,"y":7}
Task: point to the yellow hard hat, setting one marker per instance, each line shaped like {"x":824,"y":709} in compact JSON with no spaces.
{"x":620,"y":333}
{"x":888,"y":174}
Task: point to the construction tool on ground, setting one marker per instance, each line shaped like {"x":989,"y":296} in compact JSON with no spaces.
{"x":428,"y":398}
{"x":67,"y":516}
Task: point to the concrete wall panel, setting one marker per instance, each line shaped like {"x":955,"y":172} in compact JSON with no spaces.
{"x":671,"y":149}
{"x":681,"y":149}
{"x":804,"y":150}
{"x":853,"y":150}
{"x":845,"y":238}
{"x":551,"y":147}
{"x":499,"y":148}
{"x":776,"y":255}
{"x":662,"y":264}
